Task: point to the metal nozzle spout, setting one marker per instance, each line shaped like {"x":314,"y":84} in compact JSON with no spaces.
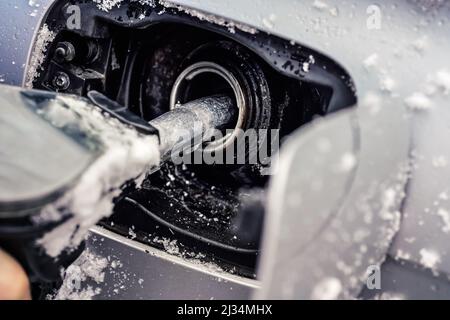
{"x":190,"y":124}
{"x":183,"y":127}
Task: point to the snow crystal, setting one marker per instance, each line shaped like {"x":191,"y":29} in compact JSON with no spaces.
{"x":390,"y":296}
{"x":320,"y":5}
{"x":410,"y":239}
{"x":387,"y":84}
{"x":418,"y":101}
{"x":35,"y":5}
{"x":132,"y":234}
{"x":327,"y":289}
{"x":126,"y":155}
{"x":116,"y":264}
{"x":334,"y":11}
{"x":170,"y":246}
{"x":347,"y":162}
{"x":390,"y":196}
{"x":88,"y":267}
{"x":438,"y":82}
{"x":400,"y":254}
{"x":269,"y":22}
{"x":306,"y":65}
{"x":439,"y":162}
{"x":445,"y":216}
{"x":371,"y":61}
{"x":44,"y":37}
{"x":429,"y":258}
{"x":443,"y":195}
{"x":420,"y":44}
{"x":442,"y":80}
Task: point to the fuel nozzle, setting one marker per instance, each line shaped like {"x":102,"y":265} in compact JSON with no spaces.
{"x":53,"y":148}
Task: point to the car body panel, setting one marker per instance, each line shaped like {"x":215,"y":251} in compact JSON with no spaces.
{"x":142,"y":272}
{"x":17,"y":33}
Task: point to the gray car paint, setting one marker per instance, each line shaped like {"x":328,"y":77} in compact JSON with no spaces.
{"x":386,"y":137}
{"x":18,"y":28}
{"x":143,"y":272}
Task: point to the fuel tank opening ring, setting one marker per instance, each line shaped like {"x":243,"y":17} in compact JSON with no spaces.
{"x":202,"y":68}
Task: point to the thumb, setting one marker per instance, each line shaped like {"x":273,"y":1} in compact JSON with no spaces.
{"x":14,"y":284}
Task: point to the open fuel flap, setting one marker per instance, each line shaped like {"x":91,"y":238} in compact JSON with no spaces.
{"x":151,"y":57}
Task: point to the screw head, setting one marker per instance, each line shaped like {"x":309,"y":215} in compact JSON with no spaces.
{"x":61,"y":81}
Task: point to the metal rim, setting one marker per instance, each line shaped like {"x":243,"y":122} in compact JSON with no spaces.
{"x":210,"y":67}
